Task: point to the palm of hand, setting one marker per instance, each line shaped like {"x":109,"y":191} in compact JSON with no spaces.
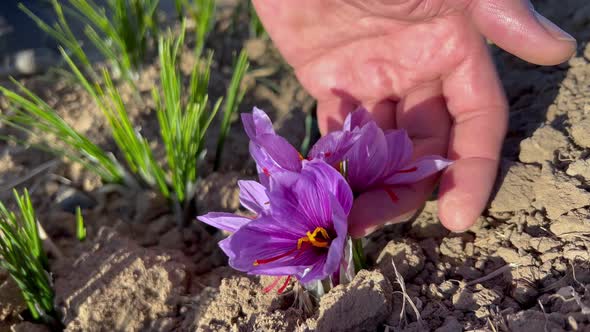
{"x":418,"y":65}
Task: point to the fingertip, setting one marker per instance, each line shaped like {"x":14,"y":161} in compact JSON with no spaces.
{"x":465,"y":189}
{"x":455,"y":215}
{"x":517,"y":28}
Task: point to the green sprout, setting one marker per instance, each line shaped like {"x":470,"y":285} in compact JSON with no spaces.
{"x":183,"y":125}
{"x":80,"y":227}
{"x":234,"y":95}
{"x":121,"y":32}
{"x":22,"y":255}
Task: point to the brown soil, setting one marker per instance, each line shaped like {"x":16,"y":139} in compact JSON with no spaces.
{"x":523,"y":267}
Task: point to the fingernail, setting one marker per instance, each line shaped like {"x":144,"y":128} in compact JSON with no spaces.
{"x":553,"y":29}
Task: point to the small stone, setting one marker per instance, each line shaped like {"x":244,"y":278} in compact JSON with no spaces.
{"x":407,"y":257}
{"x":364,"y":304}
{"x":580,"y":132}
{"x":542,"y":145}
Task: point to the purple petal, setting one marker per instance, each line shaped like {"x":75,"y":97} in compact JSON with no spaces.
{"x":367,"y":160}
{"x":280,"y":152}
{"x":253,"y":196}
{"x":264,"y":164}
{"x":333,"y":258}
{"x":399,"y":150}
{"x":305,"y":197}
{"x":332,"y":147}
{"x":227,"y":221}
{"x":285,"y":200}
{"x":418,"y":170}
{"x":357,"y":119}
{"x":257,"y":123}
{"x":269,"y":242}
{"x":328,"y":177}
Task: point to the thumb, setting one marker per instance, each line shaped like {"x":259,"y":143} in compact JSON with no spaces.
{"x":516,"y":27}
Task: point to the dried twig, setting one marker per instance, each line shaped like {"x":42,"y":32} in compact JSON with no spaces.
{"x":406,"y":297}
{"x":493,"y":274}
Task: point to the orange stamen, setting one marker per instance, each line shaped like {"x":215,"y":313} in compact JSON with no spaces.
{"x":311,"y":238}
{"x":301,"y":157}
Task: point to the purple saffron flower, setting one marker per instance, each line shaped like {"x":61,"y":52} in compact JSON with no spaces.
{"x":273,"y":153}
{"x":380,"y":160}
{"x":301,"y":232}
{"x":252,"y":196}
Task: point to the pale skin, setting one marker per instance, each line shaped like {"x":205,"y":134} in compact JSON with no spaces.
{"x":421,"y":65}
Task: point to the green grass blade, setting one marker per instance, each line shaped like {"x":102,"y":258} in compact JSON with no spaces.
{"x":32,"y":112}
{"x":80,"y":227}
{"x":21,"y":254}
{"x":233,"y":98}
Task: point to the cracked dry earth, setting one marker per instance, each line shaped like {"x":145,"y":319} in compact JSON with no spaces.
{"x":525,"y":266}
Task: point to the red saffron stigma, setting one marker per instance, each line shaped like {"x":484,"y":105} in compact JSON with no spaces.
{"x":409,"y":170}
{"x":282,"y":289}
{"x":327,"y":154}
{"x":266,"y":172}
{"x":272,"y":285}
{"x":272,"y":259}
{"x":392,"y":195}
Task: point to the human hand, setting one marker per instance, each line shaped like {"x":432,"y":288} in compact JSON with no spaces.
{"x":421,"y":65}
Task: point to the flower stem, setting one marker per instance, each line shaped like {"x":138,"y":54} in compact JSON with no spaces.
{"x":358,"y":254}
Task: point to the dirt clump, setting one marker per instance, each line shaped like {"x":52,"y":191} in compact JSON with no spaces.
{"x":362,"y":305}
{"x":240,"y":304}
{"x":11,"y":300}
{"x":542,"y":145}
{"x":515,"y":187}
{"x":117,"y":285}
{"x":407,"y":257}
{"x":558,"y":194}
